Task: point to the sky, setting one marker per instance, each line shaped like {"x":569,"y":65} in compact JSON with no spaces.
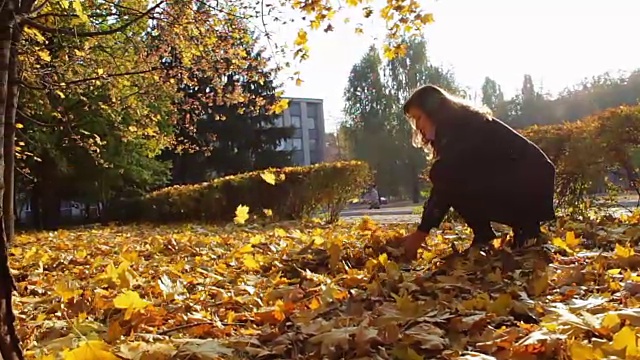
{"x":558,"y":42}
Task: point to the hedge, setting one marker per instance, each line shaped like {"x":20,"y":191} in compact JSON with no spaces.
{"x":298,"y":192}
{"x":585,"y":151}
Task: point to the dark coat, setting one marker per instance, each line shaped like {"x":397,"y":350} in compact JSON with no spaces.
{"x":487,"y":171}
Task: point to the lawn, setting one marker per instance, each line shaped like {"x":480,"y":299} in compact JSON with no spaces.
{"x":312,"y":291}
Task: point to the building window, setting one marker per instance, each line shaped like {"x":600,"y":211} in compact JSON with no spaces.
{"x":312,"y":115}
{"x":294,"y":109}
{"x":297,"y":144}
{"x":312,"y":110}
{"x":279,"y":121}
{"x":313,"y":144}
{"x":295,"y":121}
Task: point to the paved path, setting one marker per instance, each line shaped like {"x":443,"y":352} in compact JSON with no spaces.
{"x":403,"y":213}
{"x":386,"y":214}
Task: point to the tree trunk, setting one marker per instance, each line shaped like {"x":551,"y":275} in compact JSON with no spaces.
{"x":9,"y":342}
{"x":13,"y":92}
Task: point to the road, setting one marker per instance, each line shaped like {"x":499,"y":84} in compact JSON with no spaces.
{"x":403,"y":212}
{"x":391,"y":213}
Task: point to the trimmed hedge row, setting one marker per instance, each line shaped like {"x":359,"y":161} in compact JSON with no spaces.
{"x":298,"y":192}
{"x":585,"y":151}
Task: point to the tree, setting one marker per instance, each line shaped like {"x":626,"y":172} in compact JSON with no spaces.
{"x":248,"y":140}
{"x":403,"y":76}
{"x":492,"y":96}
{"x":174,"y":25}
{"x":366,"y":126}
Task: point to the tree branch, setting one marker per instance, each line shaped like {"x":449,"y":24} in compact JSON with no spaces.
{"x":26,"y":5}
{"x":107,"y":76}
{"x":72,"y":32}
{"x":29,"y":86}
{"x":23,"y":116}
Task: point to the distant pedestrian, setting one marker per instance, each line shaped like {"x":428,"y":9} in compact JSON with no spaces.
{"x":481,"y":167}
{"x":373,"y":197}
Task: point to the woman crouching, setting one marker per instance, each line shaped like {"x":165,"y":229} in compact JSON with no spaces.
{"x":482,"y":168}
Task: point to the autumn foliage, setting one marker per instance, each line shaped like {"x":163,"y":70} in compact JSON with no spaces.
{"x":286,"y":193}
{"x":586,"y":150}
{"x":310,"y":291}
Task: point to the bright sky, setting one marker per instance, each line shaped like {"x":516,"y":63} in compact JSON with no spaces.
{"x":558,"y":42}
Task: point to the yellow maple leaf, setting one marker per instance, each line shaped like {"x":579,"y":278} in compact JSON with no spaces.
{"x":561,"y":244}
{"x":77,"y":7}
{"x":571,"y":240}
{"x":242,"y":214}
{"x":66,"y":291}
{"x":501,"y":306}
{"x":389,"y":52}
{"x":301,"y":39}
{"x":44,"y":55}
{"x":624,"y":338}
{"x":268,"y":177}
{"x":90,"y":350}
{"x":131,"y":301}
{"x":427,"y":19}
{"x":250,"y":262}
{"x":611,"y":321}
{"x":281,"y":106}
{"x":623,"y":251}
{"x":582,"y":351}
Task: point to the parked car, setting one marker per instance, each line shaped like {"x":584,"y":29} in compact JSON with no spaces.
{"x":362,"y":200}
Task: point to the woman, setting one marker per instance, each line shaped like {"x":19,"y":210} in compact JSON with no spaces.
{"x":482,"y":168}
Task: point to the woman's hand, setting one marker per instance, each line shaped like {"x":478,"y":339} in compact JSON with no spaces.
{"x":411,"y":243}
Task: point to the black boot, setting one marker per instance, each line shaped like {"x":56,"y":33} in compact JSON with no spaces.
{"x":483,"y":240}
{"x":526,"y":236}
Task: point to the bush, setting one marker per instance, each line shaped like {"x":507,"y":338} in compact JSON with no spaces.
{"x":298,"y":192}
{"x":586,"y":151}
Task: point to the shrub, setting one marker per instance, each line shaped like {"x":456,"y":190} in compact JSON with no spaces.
{"x":298,"y":192}
{"x":586,"y":151}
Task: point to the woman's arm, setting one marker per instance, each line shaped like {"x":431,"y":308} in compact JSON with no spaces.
{"x":435,"y":209}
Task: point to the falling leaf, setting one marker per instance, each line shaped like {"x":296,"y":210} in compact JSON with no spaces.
{"x":242,"y":214}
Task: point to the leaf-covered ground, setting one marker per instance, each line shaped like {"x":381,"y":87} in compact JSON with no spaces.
{"x":324,"y":292}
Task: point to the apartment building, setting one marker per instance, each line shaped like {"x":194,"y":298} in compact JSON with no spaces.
{"x":308,"y":140}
